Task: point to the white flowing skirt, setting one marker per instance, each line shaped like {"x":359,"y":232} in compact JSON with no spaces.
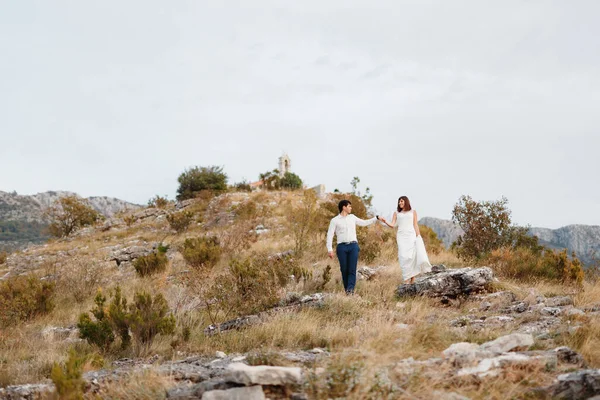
{"x":412,"y":255}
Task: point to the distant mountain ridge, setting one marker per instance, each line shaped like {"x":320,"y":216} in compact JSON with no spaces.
{"x":584,"y":240}
{"x":22,"y":220}
{"x":16,"y":207}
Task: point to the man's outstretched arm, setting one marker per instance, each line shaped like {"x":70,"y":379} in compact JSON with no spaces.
{"x":365,"y":222}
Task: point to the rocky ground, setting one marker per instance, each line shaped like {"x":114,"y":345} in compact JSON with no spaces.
{"x":457,"y":333}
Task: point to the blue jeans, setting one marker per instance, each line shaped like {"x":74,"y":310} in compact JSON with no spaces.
{"x":347,"y":254}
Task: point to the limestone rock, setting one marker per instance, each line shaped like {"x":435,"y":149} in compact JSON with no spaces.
{"x":128,"y":254}
{"x":577,"y":385}
{"x":461,"y":354}
{"x":26,"y":392}
{"x":450,"y":284}
{"x":559,"y":301}
{"x":264,"y":375}
{"x":508,"y":343}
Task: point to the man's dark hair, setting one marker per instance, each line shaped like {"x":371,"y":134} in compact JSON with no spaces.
{"x":343,"y":204}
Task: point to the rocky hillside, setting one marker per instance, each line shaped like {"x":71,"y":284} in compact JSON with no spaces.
{"x":458,"y":333}
{"x":584,"y":240}
{"x":21,"y":216}
{"x":15,"y":207}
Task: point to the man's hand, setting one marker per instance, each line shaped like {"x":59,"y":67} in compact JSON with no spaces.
{"x":330,"y":254}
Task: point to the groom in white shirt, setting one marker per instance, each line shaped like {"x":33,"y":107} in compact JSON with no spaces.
{"x":344,"y":227}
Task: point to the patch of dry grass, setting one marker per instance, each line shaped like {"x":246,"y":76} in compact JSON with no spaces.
{"x":147,"y":385}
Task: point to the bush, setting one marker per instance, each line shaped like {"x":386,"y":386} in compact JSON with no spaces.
{"x":197,"y":179}
{"x":69,"y":213}
{"x":250,"y":285}
{"x":129,"y":220}
{"x":3,"y":257}
{"x":81,"y":279}
{"x":144,"y":318}
{"x":526,"y":264}
{"x":202,"y":252}
{"x":290,"y":181}
{"x":97,"y":332}
{"x":238,"y":238}
{"x":158,"y":202}
{"x":180,"y":221}
{"x":68,"y":379}
{"x":23,"y":298}
{"x":152,"y":263}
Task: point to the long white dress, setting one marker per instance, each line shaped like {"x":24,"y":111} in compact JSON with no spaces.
{"x":411,"y":249}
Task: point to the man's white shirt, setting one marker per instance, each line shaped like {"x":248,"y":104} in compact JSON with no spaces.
{"x":345,"y":228}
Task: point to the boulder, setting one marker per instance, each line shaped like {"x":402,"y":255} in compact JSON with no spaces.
{"x":449,"y":284}
{"x":508,"y":343}
{"x":577,"y":385}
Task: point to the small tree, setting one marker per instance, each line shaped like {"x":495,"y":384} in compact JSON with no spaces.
{"x":367,"y":197}
{"x":197,"y":179}
{"x":270,"y":179}
{"x":290,"y":181}
{"x":486,"y":225}
{"x":69,"y":213}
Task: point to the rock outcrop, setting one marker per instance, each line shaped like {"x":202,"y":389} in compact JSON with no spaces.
{"x":448,"y":284}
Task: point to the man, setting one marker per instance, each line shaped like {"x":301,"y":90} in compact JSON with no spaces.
{"x":344,"y":227}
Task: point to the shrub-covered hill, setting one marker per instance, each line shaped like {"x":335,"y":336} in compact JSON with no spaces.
{"x":187,"y":300}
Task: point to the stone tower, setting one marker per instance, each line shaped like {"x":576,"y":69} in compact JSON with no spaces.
{"x":285,"y":165}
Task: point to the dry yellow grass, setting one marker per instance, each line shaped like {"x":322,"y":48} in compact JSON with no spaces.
{"x":362,"y":332}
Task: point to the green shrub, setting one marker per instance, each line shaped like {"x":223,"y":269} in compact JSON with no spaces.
{"x":68,"y":214}
{"x":290,"y":181}
{"x":68,"y":378}
{"x":198,"y":179}
{"x":201,"y":252}
{"x":146,"y":317}
{"x":23,"y":298}
{"x":250,"y":285}
{"x":98,"y":332}
{"x":152,"y":263}
{"x":180,"y":221}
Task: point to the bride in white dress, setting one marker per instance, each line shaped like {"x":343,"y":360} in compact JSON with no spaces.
{"x":411,"y":249}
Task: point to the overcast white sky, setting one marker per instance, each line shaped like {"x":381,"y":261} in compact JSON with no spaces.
{"x":429,"y":99}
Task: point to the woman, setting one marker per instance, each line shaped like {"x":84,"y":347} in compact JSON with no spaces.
{"x":411,"y":249}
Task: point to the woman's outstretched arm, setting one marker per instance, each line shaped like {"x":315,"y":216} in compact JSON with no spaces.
{"x":393,"y":224}
{"x":416,"y":224}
